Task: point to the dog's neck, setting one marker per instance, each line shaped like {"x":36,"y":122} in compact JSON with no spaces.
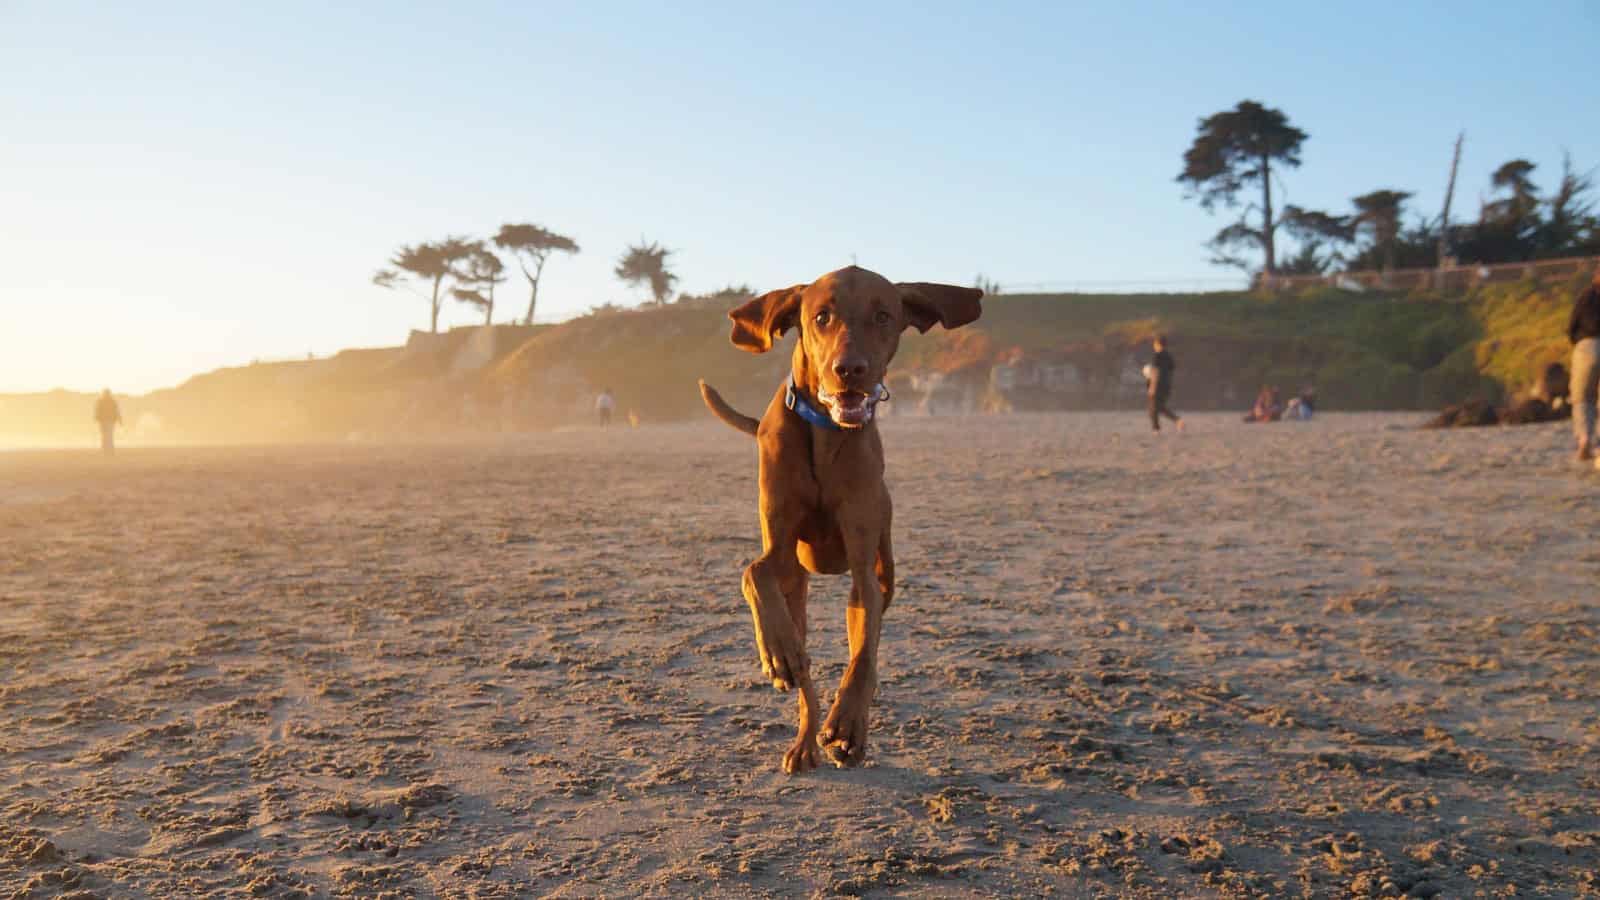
{"x":805,"y":375}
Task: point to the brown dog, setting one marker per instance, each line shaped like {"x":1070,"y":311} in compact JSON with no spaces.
{"x":824,"y":506}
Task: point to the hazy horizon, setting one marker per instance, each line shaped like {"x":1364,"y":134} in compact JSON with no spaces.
{"x":200,"y":189}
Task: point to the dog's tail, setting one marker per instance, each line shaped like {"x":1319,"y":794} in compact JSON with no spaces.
{"x":725,"y":412}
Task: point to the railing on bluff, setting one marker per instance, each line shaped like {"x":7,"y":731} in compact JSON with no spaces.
{"x":1461,"y":278}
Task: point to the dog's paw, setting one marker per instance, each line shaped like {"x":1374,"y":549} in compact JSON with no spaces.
{"x":782,"y":660}
{"x":787,"y":671}
{"x":844,"y":735}
{"x":803,"y":755}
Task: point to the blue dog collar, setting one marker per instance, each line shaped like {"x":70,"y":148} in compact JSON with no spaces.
{"x":802,"y":407}
{"x":796,"y":401}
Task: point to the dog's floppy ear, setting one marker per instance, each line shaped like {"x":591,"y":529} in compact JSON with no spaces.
{"x":929,"y":304}
{"x":763,"y":320}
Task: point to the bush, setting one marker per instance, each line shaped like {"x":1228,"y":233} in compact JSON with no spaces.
{"x":1457,"y":379}
{"x":1367,"y":382}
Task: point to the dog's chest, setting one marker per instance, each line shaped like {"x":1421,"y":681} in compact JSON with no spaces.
{"x":846,"y":469}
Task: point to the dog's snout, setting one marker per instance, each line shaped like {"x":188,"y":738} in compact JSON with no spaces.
{"x":850,"y":367}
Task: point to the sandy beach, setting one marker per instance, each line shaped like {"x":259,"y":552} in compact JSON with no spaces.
{"x":1344,"y":657}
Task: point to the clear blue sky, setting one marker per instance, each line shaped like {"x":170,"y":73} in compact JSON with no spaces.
{"x":189,"y":186}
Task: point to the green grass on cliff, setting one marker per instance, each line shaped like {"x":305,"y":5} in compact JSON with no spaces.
{"x":1524,"y":327}
{"x":1361,"y":350}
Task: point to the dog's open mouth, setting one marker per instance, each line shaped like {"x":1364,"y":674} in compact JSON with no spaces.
{"x":852,"y":409}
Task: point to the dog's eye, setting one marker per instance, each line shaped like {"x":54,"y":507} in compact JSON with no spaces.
{"x":883,"y":317}
{"x":824,"y":317}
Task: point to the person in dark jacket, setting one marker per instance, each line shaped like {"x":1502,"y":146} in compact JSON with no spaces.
{"x":109,"y":415}
{"x":1583,"y":329}
{"x":1160,"y":385}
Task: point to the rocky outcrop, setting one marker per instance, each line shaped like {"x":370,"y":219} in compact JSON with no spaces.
{"x":1545,"y":401}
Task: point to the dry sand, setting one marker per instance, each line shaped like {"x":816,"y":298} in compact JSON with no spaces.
{"x":1338,"y":657}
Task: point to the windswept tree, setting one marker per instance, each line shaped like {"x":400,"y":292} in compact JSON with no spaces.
{"x":1314,"y":230}
{"x":1569,"y":223}
{"x":482,"y":271}
{"x":647,"y":264}
{"x":532,"y":244}
{"x":1520,"y":208}
{"x":1516,"y":224}
{"x":1509,"y":224}
{"x":434,"y":264}
{"x":1235,"y":150}
{"x":1417,"y":246}
{"x":1378,"y":214}
{"x":1308,"y":259}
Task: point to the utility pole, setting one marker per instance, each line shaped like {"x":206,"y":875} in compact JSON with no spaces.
{"x":1449,"y":193}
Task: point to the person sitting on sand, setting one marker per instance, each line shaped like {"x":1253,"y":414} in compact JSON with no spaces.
{"x":1267,"y":408}
{"x":1268,"y":405}
{"x":1301,"y":408}
{"x":1583,"y":330}
{"x":1159,"y":386}
{"x":109,"y":415}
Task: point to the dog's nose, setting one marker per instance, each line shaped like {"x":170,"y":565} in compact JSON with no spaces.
{"x":847,"y":367}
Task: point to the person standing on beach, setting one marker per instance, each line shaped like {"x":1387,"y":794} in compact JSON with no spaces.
{"x":604,"y":404}
{"x":109,"y":415}
{"x":1583,"y":329}
{"x":1160,"y":385}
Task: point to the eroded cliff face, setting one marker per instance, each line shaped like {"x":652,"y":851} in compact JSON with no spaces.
{"x":1038,"y":352}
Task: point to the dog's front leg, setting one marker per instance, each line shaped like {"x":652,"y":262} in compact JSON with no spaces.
{"x":775,"y":589}
{"x":778,"y":642}
{"x":803,"y":754}
{"x":845,"y":733}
